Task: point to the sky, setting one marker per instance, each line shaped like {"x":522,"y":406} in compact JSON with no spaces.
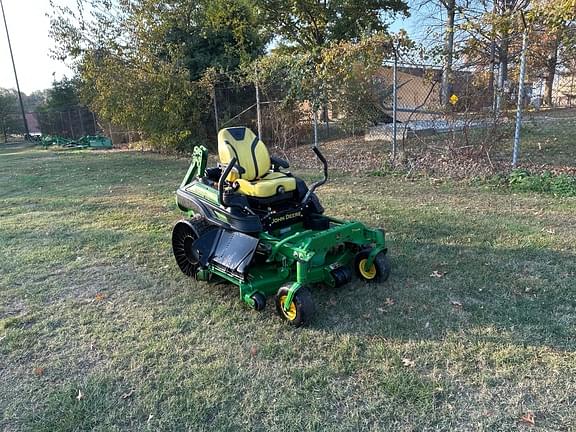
{"x":28,"y":26}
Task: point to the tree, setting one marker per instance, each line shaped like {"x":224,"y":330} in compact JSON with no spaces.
{"x":554,"y":42}
{"x":308,"y":25}
{"x":306,"y":28}
{"x":494,"y":42}
{"x":450,"y":8}
{"x":505,"y":17}
{"x":64,"y":95}
{"x":10,"y":118}
{"x":146,"y":64}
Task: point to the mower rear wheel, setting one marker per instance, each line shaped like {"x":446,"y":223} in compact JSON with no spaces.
{"x":301,"y":308}
{"x":184,"y":234}
{"x":378,"y":272}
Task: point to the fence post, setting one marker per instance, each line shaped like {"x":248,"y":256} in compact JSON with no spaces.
{"x":70,"y":125}
{"x":258,"y":114}
{"x":81,"y":122}
{"x":215,"y":108}
{"x":394,"y":105}
{"x":95,"y":125}
{"x":516,"y":151}
{"x":315,"y":126}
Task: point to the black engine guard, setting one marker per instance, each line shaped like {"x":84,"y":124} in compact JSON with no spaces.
{"x":232,"y":251}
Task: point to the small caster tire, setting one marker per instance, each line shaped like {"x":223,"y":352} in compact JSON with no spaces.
{"x":259,"y":301}
{"x":301,"y":309}
{"x":380,"y":270}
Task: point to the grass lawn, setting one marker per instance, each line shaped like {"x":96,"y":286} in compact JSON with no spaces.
{"x":99,"y":330}
{"x":549,"y":139}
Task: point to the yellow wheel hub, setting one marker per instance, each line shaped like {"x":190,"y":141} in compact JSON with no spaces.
{"x":290,"y":314}
{"x":367,"y":274}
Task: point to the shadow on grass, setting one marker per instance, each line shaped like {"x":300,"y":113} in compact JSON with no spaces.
{"x":523,"y":296}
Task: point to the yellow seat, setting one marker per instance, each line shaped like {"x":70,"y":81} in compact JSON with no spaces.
{"x":254,"y":177}
{"x":268,"y":186}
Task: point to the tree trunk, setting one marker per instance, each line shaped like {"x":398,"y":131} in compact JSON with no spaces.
{"x":326,"y":118}
{"x":551,"y":64}
{"x":502,"y":73}
{"x":492,"y":75}
{"x":448,"y":52}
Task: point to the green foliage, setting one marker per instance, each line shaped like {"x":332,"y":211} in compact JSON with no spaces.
{"x":311,"y":24}
{"x":201,"y":35}
{"x":10,"y":117}
{"x":151,"y":66}
{"x":63,"y":95}
{"x":349,"y":74}
{"x":558,"y":185}
{"x":341,"y":77}
{"x":147,"y":65}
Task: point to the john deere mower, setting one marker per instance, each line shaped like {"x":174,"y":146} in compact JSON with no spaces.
{"x":254,"y":224}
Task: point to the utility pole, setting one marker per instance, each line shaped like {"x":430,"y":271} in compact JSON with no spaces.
{"x":15,"y":74}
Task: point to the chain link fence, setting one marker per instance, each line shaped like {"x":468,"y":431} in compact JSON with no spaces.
{"x":411,"y":123}
{"x":414,"y":123}
{"x":278,"y":123}
{"x":79,"y":121}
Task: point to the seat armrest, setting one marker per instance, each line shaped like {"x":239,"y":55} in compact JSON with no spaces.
{"x":278,"y":163}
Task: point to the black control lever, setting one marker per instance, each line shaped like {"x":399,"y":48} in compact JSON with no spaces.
{"x":222,"y":180}
{"x":320,"y":182}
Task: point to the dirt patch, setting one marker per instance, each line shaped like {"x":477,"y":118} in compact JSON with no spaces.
{"x":350,"y":155}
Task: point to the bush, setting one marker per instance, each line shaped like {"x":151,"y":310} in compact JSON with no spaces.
{"x":558,"y":185}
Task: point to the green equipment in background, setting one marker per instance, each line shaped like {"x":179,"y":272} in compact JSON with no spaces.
{"x":86,"y":142}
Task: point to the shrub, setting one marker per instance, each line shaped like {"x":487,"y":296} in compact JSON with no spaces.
{"x":558,"y":185}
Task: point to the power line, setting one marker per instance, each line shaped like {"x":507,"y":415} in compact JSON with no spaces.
{"x":15,"y":74}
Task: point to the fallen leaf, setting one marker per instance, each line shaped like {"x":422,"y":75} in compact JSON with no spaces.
{"x":127,"y":395}
{"x":253,"y":350}
{"x":528,"y":418}
{"x":389,"y":301}
{"x":100,"y":296}
{"x":38,"y":371}
{"x":437,"y":274}
{"x":80,"y":395}
{"x":408,"y":362}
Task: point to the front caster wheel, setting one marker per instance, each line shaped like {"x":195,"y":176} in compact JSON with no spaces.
{"x":301,"y":308}
{"x":378,"y":272}
{"x":259,"y":301}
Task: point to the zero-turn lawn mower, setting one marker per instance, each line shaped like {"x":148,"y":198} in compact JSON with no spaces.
{"x":254,"y":224}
